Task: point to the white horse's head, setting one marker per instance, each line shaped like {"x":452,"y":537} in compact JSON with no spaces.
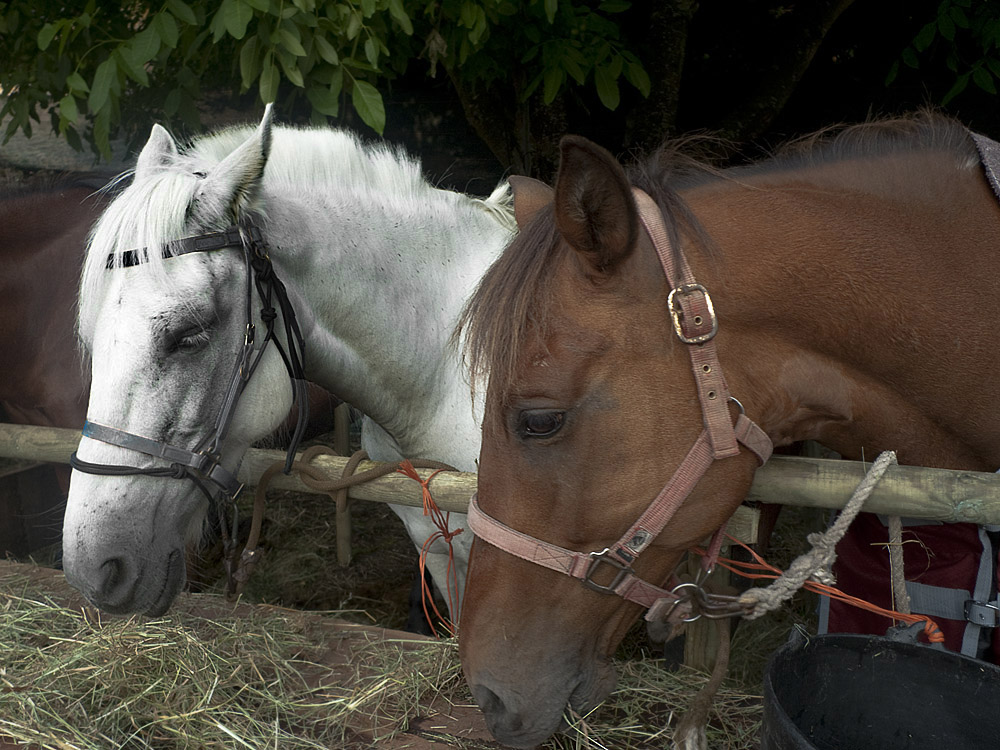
{"x":164,"y":336}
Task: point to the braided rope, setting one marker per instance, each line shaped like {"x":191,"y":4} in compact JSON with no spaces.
{"x":816,"y":564}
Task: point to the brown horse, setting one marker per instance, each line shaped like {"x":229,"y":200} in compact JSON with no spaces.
{"x":43,"y":232}
{"x":856,"y":293}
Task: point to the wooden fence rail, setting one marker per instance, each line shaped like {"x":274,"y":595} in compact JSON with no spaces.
{"x":915,"y":492}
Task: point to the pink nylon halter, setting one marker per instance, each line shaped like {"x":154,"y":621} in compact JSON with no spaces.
{"x":695,"y":324}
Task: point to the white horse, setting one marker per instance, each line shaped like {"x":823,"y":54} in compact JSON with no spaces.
{"x":377,"y":264}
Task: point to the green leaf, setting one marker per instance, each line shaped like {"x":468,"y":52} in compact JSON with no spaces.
{"x":368,"y":103}
{"x":183,"y":11}
{"x":960,"y":83}
{"x":947,"y":27}
{"x":217,"y":27}
{"x":371,"y":52}
{"x":100,"y":88}
{"x":368,"y":8}
{"x":607,"y":87}
{"x":354,"y":26}
{"x":958,"y":16}
{"x":324,"y":100}
{"x":910,"y":57}
{"x":269,"y":81}
{"x":289,"y":64}
{"x":172,"y":103}
{"x":926,"y":36}
{"x":250,"y":61}
{"x":76,"y":84}
{"x":638,"y":77}
{"x":264,"y":6}
{"x":166,"y":29}
{"x":614,"y":6}
{"x":551,"y":6}
{"x":467,"y":15}
{"x":47,"y":34}
{"x":67,"y":111}
{"x":102,"y":133}
{"x":326,"y":50}
{"x":290,"y":42}
{"x":146,"y":44}
{"x":984,"y":80}
{"x":893,"y":72}
{"x":237,"y":15}
{"x":134,"y":70}
{"x":554,"y":78}
{"x":572,"y":67}
{"x":400,"y":16}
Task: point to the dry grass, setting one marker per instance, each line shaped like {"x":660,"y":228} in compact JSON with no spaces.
{"x":75,"y":681}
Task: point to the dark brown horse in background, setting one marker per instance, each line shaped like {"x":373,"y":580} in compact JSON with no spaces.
{"x":43,"y":232}
{"x":856,"y":283}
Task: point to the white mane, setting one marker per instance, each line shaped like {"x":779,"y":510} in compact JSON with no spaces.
{"x":154,"y":208}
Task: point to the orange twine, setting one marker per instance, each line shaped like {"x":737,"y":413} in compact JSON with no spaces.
{"x":767,"y":571}
{"x":440,"y":520}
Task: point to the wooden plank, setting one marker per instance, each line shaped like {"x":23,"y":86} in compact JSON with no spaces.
{"x":911,"y":491}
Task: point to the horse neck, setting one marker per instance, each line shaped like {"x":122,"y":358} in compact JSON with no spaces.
{"x":856,"y":301}
{"x":383,"y":282}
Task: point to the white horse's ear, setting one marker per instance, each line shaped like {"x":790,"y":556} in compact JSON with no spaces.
{"x":530,"y":196}
{"x":159,"y":151}
{"x":232,"y":184}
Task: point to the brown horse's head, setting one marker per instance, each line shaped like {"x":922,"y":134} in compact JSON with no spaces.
{"x":591,"y":406}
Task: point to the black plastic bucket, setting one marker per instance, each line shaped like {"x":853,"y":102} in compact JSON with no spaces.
{"x":859,"y":692}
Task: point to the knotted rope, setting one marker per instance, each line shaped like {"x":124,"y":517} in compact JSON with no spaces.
{"x":816,"y":564}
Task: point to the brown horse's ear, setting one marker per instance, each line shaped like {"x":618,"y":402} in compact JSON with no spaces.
{"x":595,"y":210}
{"x":530,"y":196}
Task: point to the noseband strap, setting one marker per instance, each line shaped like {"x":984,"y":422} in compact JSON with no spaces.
{"x":695,"y":324}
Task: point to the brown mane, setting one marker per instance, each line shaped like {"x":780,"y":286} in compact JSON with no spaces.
{"x":510,"y":302}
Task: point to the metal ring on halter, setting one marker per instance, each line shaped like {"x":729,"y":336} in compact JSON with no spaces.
{"x":738,"y":404}
{"x":692,"y":598}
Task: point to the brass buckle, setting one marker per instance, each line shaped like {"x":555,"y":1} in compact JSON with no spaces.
{"x":676,"y":313}
{"x":602,"y":557}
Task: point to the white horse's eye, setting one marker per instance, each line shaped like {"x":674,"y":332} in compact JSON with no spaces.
{"x":188,"y":340}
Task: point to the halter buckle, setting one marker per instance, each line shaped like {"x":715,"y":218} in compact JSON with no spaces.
{"x":677,"y":314}
{"x":604,"y":557}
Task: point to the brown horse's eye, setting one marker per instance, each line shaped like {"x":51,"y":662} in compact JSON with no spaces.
{"x":541,"y":423}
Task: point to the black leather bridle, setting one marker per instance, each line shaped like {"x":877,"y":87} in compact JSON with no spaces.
{"x":202,"y":464}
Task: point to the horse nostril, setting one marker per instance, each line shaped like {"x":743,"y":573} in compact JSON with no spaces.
{"x":113,"y":571}
{"x":488,"y":701}
{"x":501,"y":719}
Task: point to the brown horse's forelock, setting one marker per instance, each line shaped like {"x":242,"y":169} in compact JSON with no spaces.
{"x":507,"y":305}
{"x":511,"y":302}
